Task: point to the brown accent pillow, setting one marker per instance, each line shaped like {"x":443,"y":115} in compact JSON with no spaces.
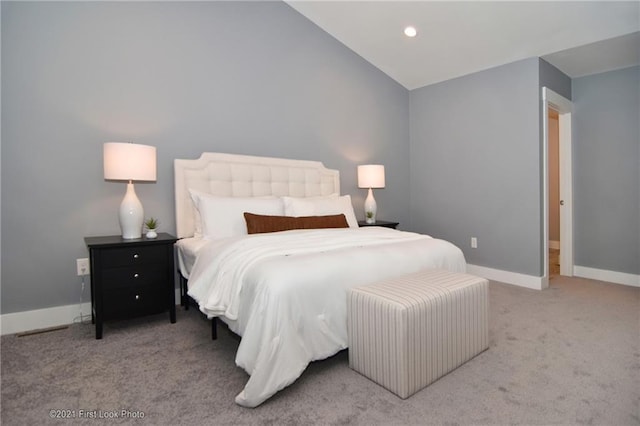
{"x":258,"y":224}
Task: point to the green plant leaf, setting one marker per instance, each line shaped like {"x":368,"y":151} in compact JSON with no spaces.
{"x":151,"y":223}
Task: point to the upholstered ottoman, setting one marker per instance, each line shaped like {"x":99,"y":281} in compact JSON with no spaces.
{"x":407,"y":332}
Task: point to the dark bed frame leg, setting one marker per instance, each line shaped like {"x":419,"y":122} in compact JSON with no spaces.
{"x":184,"y":299}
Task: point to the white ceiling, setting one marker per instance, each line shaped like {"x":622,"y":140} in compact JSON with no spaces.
{"x":458,"y":38}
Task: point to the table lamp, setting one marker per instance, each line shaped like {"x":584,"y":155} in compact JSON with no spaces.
{"x":370,"y":176}
{"x":129,"y":162}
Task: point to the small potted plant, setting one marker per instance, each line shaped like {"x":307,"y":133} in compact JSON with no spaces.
{"x":152,"y":225}
{"x":370,"y":217}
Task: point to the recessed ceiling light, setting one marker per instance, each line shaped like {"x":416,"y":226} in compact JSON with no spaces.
{"x":410,"y":32}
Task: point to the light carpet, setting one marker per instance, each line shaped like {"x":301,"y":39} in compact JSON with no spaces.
{"x":566,"y":355}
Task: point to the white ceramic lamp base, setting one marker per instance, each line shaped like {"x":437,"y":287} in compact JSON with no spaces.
{"x":370,"y":208}
{"x":131,"y":215}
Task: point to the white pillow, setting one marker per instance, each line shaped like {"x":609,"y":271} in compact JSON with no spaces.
{"x":197,"y":220}
{"x":223,"y":217}
{"x":321,"y":206}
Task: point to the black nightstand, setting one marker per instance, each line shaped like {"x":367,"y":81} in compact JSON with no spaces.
{"x":131,"y":278}
{"x":362,"y":223}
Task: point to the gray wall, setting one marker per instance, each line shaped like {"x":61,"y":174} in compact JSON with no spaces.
{"x":475,"y":165}
{"x":554,"y":79}
{"x":463,"y":157}
{"x":607,"y":170}
{"x":246,"y":78}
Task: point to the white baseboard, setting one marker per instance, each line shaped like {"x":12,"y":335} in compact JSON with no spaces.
{"x":539,"y":283}
{"x":514,"y":278}
{"x":20,"y":322}
{"x":554,"y":245}
{"x":609,"y":276}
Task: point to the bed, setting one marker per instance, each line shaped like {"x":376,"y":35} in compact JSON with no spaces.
{"x":283,"y":292}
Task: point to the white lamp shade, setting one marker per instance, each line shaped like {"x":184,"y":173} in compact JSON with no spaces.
{"x":129,"y":161}
{"x":371,"y":176}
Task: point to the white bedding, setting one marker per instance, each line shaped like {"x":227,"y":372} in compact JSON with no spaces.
{"x":188,"y":249}
{"x":285,"y":292}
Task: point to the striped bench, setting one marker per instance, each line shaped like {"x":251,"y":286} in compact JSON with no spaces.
{"x":407,"y":332}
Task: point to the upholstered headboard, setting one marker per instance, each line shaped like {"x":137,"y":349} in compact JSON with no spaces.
{"x":231,"y":175}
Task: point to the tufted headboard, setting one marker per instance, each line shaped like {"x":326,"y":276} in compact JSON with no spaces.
{"x":231,"y":175}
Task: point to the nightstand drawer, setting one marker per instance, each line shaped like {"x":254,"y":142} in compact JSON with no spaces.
{"x":133,"y":301}
{"x":128,"y":276}
{"x":133,"y":256}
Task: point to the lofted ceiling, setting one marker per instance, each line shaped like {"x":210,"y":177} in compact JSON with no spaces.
{"x":457,"y":38}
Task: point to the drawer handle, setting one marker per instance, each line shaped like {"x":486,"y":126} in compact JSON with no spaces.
{"x":135,"y":256}
{"x":136,"y":275}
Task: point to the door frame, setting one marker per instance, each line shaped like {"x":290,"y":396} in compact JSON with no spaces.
{"x":564,"y":107}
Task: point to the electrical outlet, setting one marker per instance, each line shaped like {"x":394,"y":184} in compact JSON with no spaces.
{"x":474,"y":242}
{"x":82,"y":265}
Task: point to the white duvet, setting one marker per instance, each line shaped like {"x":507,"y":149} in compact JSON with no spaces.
{"x":285,"y":292}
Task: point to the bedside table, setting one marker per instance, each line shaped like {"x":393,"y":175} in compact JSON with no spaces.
{"x":362,"y":223}
{"x":131,"y":278}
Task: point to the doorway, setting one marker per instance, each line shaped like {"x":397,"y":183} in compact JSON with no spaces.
{"x":553,"y":104}
{"x":554,"y":193}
